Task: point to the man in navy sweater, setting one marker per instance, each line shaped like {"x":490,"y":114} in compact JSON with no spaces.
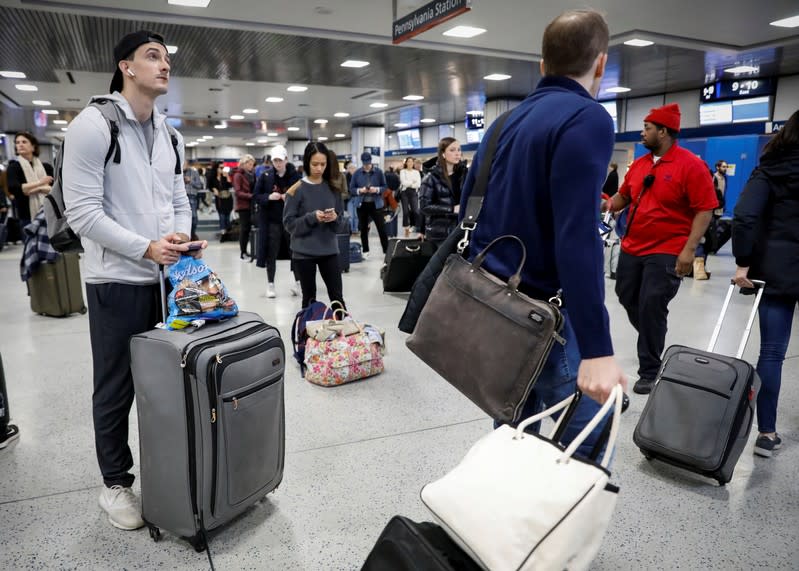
{"x":544,"y":187}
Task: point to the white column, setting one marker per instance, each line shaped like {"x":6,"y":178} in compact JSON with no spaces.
{"x":369,"y":137}
{"x":497,"y":107}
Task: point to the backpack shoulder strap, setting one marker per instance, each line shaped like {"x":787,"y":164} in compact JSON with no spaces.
{"x":173,"y":135}
{"x":110,"y":112}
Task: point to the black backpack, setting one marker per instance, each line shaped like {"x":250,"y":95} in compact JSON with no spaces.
{"x":62,"y":237}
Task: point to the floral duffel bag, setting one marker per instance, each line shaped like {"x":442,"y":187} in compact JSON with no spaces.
{"x":333,"y":357}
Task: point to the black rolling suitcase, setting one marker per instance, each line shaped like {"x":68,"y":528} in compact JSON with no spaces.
{"x":405,"y":260}
{"x":406,"y":545}
{"x":700,"y":412}
{"x":344,"y":252}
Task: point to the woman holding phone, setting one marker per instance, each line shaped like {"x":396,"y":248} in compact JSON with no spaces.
{"x":313,"y":215}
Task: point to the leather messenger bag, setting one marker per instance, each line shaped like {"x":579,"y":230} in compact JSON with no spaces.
{"x":484,"y":336}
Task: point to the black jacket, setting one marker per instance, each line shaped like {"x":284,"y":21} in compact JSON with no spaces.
{"x":611,"y":185}
{"x":437,"y":200}
{"x":765,"y":234}
{"x":15,"y":179}
{"x":269,"y":181}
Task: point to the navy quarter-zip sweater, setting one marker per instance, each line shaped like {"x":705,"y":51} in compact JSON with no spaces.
{"x":544,"y":187}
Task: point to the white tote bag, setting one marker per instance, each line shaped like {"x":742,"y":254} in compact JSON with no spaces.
{"x":520,"y":502}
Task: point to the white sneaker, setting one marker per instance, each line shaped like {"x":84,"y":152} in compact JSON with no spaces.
{"x":365,"y":255}
{"x":270,"y":290}
{"x":122,"y":507}
{"x":295,"y":289}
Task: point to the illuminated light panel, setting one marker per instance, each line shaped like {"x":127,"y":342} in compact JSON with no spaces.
{"x":355,"y":63}
{"x":497,"y":76}
{"x":638,"y":43}
{"x":296,"y":88}
{"x":464,"y":32}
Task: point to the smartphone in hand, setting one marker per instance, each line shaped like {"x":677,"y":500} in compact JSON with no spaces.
{"x":194,"y":246}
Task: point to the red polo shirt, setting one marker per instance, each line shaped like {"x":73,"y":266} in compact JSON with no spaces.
{"x":661,"y":219}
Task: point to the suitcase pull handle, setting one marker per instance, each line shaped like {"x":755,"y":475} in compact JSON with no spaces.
{"x":760,"y":285}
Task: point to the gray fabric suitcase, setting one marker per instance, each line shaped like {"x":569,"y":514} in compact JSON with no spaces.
{"x":700,"y":412}
{"x":211,"y":423}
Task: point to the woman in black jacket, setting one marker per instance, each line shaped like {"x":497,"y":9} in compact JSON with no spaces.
{"x":29,"y":179}
{"x":440,"y":193}
{"x":765,"y":243}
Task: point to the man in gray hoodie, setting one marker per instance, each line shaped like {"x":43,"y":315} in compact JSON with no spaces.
{"x":132,"y":215}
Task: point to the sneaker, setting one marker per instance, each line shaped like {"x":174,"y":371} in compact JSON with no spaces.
{"x":765,"y":446}
{"x":296,"y":289}
{"x":366,"y":255}
{"x":12,"y":433}
{"x":643,"y":386}
{"x":122,"y":507}
{"x":270,"y":290}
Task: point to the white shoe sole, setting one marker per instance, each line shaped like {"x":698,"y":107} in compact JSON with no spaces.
{"x":123,"y":527}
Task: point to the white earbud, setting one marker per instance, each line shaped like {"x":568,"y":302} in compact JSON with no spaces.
{"x":130,"y":73}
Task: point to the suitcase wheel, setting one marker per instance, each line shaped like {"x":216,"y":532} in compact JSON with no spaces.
{"x":648,"y":456}
{"x":198,"y":543}
{"x":721,"y":482}
{"x":155,"y":532}
{"x":83,"y":310}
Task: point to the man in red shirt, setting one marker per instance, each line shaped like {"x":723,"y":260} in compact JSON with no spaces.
{"x":671,"y":200}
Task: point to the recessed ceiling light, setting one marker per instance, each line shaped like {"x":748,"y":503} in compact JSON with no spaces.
{"x":60,"y":122}
{"x":320,"y":121}
{"x":50,"y":111}
{"x":400,"y":125}
{"x":273,"y":99}
{"x":263,"y":141}
{"x":354,"y":63}
{"x":220,"y":126}
{"x":42,"y":102}
{"x":249,"y":111}
{"x":237,"y":117}
{"x":341,"y":114}
{"x":497,"y":76}
{"x":464,"y":32}
{"x":617,"y":89}
{"x":25,"y":87}
{"x":297,"y":88}
{"x":378,"y":105}
{"x":171,"y":49}
{"x":63,"y":128}
{"x":293,"y":129}
{"x":427,"y":120}
{"x":190,"y":3}
{"x":322,"y":138}
{"x":340,"y":135}
{"x":12,"y":74}
{"x":208,"y":137}
{"x":250,"y":144}
{"x":741,"y":69}
{"x":413,"y":97}
{"x":638,"y":43}
{"x":271,"y":134}
{"x":791,"y":22}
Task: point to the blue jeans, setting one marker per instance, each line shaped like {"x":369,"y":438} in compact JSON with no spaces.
{"x":776,"y":317}
{"x":193,"y":200}
{"x":557,"y":381}
{"x":353,"y":212}
{"x":224,"y":221}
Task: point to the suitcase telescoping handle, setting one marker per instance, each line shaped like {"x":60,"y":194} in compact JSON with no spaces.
{"x":162,"y":286}
{"x":760,"y":286}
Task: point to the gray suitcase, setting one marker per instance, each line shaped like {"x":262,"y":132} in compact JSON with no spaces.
{"x":700,"y":412}
{"x":211,"y":423}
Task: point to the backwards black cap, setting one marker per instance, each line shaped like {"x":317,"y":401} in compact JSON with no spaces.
{"x":127,"y":46}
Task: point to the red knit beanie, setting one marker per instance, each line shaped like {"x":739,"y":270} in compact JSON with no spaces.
{"x":668,"y":116}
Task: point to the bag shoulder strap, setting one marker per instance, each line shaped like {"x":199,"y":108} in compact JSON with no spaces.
{"x":173,"y":135}
{"x":475,"y":202}
{"x":110,"y":112}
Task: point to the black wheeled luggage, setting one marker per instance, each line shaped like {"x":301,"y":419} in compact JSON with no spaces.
{"x":211,"y":423}
{"x":700,"y":411}
{"x":344,"y":252}
{"x":406,"y":545}
{"x":405,"y":260}
{"x":56,"y":289}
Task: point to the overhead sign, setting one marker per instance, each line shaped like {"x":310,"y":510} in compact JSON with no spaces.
{"x":428,"y":16}
{"x":734,"y":88}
